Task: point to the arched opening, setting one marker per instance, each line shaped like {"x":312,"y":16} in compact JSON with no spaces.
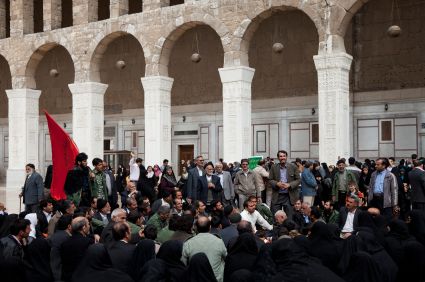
{"x":67,"y":19}
{"x":121,"y":66}
{"x":381,"y":62}
{"x":38,"y":15}
{"x":55,"y":96}
{"x":135,"y":6}
{"x":103,"y":10}
{"x":176,"y":2}
{"x":5,"y":83}
{"x":196,"y":83}
{"x":290,"y":72}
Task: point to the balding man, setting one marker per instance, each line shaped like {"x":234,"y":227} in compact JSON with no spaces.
{"x":117,"y":215}
{"x":120,"y":251}
{"x":207,"y":243}
{"x":74,"y":249}
{"x":226,"y":183}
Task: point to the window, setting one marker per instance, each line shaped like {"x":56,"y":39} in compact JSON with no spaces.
{"x":134,"y":139}
{"x":7,"y":18}
{"x":176,"y":2}
{"x":135,"y":6}
{"x":106,"y":145}
{"x":66,"y":13}
{"x":102,"y":10}
{"x":386,"y":130}
{"x":314,"y":133}
{"x":38,"y":15}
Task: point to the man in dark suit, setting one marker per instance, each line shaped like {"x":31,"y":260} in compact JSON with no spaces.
{"x":62,"y":234}
{"x":110,"y":184}
{"x":33,"y":190}
{"x":209,"y":187}
{"x":117,"y":215}
{"x":74,"y":249}
{"x":348,"y":216}
{"x":192,"y":180}
{"x":121,"y":251}
{"x":231,"y":231}
{"x":417,"y":184}
{"x":285,"y":180}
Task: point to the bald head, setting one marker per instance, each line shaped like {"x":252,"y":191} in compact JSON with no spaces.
{"x":203,"y":224}
{"x":80,"y":224}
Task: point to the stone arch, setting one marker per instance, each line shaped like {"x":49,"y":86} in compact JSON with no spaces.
{"x":245,"y":31}
{"x":5,"y":83}
{"x":292,"y":72}
{"x":176,"y":29}
{"x":35,"y":59}
{"x":341,"y":20}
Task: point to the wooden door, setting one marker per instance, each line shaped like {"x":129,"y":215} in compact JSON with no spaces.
{"x":186,"y":152}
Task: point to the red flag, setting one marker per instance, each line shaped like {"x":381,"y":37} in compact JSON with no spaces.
{"x":64,"y":152}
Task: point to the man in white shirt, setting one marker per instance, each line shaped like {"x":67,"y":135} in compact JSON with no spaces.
{"x":135,"y":168}
{"x":252,"y":215}
{"x":348,"y":216}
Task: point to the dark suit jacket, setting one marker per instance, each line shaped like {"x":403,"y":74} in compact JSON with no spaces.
{"x":343,"y":218}
{"x":417,"y":184}
{"x":202,"y":191}
{"x":192,"y":183}
{"x":33,"y":190}
{"x":121,"y":254}
{"x":99,"y":217}
{"x":72,"y":253}
{"x":293,"y":178}
{"x":113,"y":199}
{"x":106,"y":237}
{"x":56,"y":241}
{"x":228,"y":233}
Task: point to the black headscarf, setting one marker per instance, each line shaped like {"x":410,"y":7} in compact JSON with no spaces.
{"x":97,"y":266}
{"x":323,"y":246}
{"x":144,"y":252}
{"x":7,"y":222}
{"x":242,"y":255}
{"x":362,"y":267}
{"x":417,"y":225}
{"x":242,"y":275}
{"x":294,"y":265}
{"x":412,"y":269}
{"x":200,"y":269}
{"x":154,"y":271}
{"x":38,"y":258}
{"x":264,"y":266}
{"x":171,"y":253}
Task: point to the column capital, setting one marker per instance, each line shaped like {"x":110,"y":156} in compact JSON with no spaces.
{"x":23,"y":93}
{"x":88,"y":87}
{"x":236,"y":74}
{"x":338,"y":60}
{"x":155,"y":83}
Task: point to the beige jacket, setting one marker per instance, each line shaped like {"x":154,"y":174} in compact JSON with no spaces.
{"x":247,"y":185}
{"x":261,"y":173}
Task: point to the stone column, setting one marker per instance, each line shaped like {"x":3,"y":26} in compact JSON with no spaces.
{"x":157,"y":118}
{"x":334,"y":105}
{"x":118,"y":8}
{"x":84,"y":11}
{"x":237,"y":129}
{"x":88,"y":117}
{"x":52,"y":14}
{"x":21,"y":17}
{"x":23,"y":140}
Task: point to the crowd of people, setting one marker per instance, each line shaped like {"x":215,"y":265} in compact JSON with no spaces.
{"x":280,"y":221}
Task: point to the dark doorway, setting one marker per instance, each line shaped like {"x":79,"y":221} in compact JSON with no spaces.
{"x":186,"y":152}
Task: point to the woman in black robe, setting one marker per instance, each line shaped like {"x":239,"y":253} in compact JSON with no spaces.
{"x":38,"y":258}
{"x":362,"y":267}
{"x":97,"y":266}
{"x":200,"y":269}
{"x":417,"y":225}
{"x":170,"y":253}
{"x":242,"y":255}
{"x":294,"y":265}
{"x":144,"y":252}
{"x":324,"y":247}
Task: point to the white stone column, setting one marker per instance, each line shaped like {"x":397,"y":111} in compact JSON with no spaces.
{"x":23,"y":141}
{"x":237,"y":129}
{"x":334,"y":105}
{"x":88,"y":116}
{"x":157,"y":118}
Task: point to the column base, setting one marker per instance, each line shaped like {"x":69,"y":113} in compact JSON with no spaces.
{"x":14,"y":181}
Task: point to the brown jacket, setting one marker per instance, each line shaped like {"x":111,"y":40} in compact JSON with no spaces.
{"x":293,"y":177}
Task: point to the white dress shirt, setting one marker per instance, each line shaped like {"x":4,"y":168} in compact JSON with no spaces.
{"x":348,"y":226}
{"x":254,"y":218}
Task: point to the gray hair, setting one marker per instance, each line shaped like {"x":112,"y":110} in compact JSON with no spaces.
{"x":78,"y":223}
{"x":130,"y":200}
{"x":163,"y":209}
{"x":115,"y":212}
{"x":280,"y":212}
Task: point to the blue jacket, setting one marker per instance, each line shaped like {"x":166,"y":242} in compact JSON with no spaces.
{"x":308,"y":183}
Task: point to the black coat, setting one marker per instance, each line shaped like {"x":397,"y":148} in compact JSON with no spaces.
{"x":121,"y":254}
{"x":72,"y":252}
{"x":343,"y":218}
{"x":202,"y":190}
{"x":113,"y":199}
{"x":56,"y":241}
{"x":417,"y":183}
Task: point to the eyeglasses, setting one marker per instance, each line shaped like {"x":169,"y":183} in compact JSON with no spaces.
{"x":244,"y":164}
